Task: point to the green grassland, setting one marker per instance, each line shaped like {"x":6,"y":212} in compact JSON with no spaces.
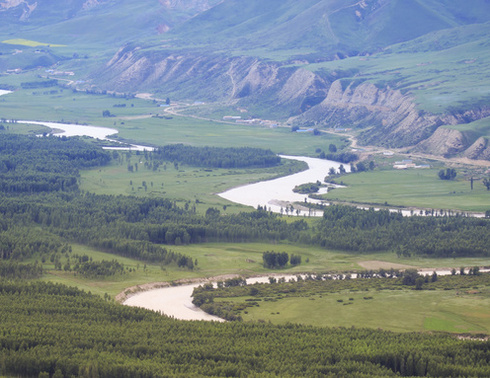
{"x":24,"y":129}
{"x":474,"y":130}
{"x":444,"y":70}
{"x":28,"y":43}
{"x":395,"y":310}
{"x":412,"y":188}
{"x":199,"y":186}
{"x":245,"y":259}
{"x":137,"y":121}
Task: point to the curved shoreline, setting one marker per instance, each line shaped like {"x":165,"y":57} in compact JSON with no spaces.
{"x":96,"y":132}
{"x":176,"y":301}
{"x":277,"y":194}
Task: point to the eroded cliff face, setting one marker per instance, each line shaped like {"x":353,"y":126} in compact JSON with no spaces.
{"x":388,"y":117}
{"x":391,"y":119}
{"x":27,"y":7}
{"x":479,"y":150}
{"x":210,"y":77}
{"x":444,"y":142}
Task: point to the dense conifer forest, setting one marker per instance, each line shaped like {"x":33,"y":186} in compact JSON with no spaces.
{"x":53,"y":330}
{"x":214,"y":157}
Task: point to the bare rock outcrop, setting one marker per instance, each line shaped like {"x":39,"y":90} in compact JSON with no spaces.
{"x":444,"y":142}
{"x":209,"y":77}
{"x":479,"y":150}
{"x":387,"y":116}
{"x":390,"y":118}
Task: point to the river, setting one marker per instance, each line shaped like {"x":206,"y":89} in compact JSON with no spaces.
{"x":176,"y":301}
{"x":278,"y":193}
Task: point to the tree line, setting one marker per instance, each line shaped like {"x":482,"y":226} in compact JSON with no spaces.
{"x":29,"y":164}
{"x":216,"y":157}
{"x":351,"y":229}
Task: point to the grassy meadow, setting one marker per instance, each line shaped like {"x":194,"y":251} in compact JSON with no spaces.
{"x":144,"y":122}
{"x":198,"y":186}
{"x":395,"y":310}
{"x":419,"y":188}
{"x":438,"y":79}
{"x":28,"y":43}
{"x":245,"y":259}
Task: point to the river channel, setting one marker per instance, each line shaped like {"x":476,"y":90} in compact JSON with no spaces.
{"x":176,"y":301}
{"x":276,"y":194}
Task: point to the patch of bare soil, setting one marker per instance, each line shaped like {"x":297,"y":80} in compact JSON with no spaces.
{"x":130,"y":118}
{"x":375,"y":264}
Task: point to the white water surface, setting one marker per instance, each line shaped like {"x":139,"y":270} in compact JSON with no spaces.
{"x":176,"y":301}
{"x":97,"y":132}
{"x":278,"y":193}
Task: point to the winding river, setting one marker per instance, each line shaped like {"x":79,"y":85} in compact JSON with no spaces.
{"x":276,"y":194}
{"x":176,"y":301}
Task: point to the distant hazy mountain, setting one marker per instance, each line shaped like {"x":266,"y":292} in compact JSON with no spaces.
{"x":348,"y":27}
{"x":407,"y":72}
{"x":95,"y":20}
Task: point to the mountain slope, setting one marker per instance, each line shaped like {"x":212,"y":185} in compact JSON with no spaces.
{"x":94,"y":21}
{"x":396,"y":69}
{"x":345,"y":26}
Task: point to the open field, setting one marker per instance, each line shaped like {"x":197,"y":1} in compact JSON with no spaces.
{"x":135,"y":122}
{"x":28,"y":43}
{"x":198,"y":186}
{"x":24,"y":129}
{"x":417,"y":188}
{"x":216,"y":259}
{"x":394,"y":310}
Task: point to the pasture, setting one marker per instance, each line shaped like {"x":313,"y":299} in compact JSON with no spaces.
{"x":218,"y":259}
{"x":455,"y":311}
{"x":28,"y":43}
{"x":197,"y":186}
{"x":145,"y":122}
{"x":420,"y":188}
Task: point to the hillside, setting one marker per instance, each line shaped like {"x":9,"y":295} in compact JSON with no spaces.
{"x":94,"y":21}
{"x":397,"y":70}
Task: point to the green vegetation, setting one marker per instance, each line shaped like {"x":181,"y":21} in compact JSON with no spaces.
{"x":245,"y":157}
{"x":437,"y":69}
{"x":419,"y":188}
{"x":449,"y":174}
{"x":308,"y":188}
{"x":274,"y":260}
{"x":456,"y":304}
{"x":72,"y":214}
{"x":186,"y":184}
{"x":26,"y":42}
{"x":147,"y":123}
{"x":348,"y":228}
{"x":83,"y":334}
